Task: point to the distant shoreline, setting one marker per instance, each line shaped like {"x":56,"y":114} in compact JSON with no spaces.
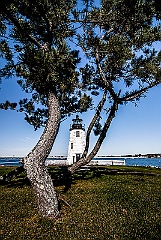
{"x":103,"y":160}
{"x":149,"y":155}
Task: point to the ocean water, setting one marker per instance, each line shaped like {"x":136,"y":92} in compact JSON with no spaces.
{"x":155,"y":162}
{"x":10,"y":162}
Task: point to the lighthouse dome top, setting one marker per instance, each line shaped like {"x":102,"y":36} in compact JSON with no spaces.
{"x":77,"y":123}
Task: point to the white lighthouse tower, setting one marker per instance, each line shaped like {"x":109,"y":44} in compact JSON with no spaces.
{"x":76,"y":141}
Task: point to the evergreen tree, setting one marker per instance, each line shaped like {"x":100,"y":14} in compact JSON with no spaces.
{"x":34,"y":43}
{"x":119,"y":40}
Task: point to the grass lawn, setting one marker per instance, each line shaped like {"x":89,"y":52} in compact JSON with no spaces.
{"x":121,"y":206}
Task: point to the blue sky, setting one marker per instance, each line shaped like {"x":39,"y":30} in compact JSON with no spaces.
{"x":134,"y":130}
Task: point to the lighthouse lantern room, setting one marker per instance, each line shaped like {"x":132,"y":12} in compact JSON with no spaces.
{"x":76,"y":141}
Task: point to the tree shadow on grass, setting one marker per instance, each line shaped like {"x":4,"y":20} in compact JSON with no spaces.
{"x":19,"y":181}
{"x":61,"y":176}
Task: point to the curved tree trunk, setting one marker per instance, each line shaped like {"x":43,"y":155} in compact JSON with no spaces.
{"x":91,"y":125}
{"x":84,"y":160}
{"x":34,"y":163}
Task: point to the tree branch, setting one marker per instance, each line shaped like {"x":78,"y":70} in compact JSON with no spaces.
{"x":138,"y":93}
{"x":102,"y":136}
{"x":97,"y":114}
{"x":19,"y":27}
{"x":49,"y":35}
{"x":107,"y":84}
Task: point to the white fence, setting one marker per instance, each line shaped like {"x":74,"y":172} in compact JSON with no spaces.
{"x":58,"y":162}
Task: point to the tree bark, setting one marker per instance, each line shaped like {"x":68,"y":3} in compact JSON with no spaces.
{"x":34,"y":163}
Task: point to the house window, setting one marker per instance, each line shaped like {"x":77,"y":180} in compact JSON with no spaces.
{"x":77,"y":134}
{"x":71,"y":145}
